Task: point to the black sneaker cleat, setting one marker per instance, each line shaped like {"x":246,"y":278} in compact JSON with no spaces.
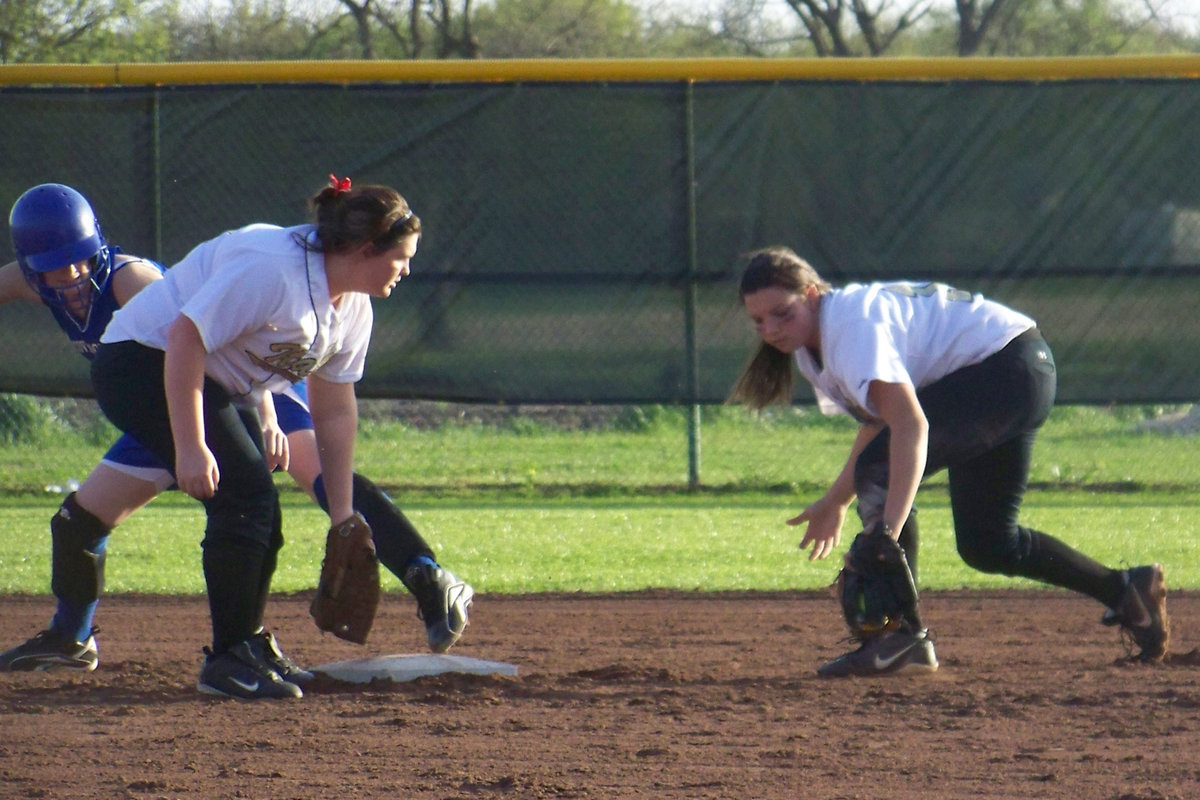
{"x":1142,"y":612}
{"x":898,"y":651}
{"x":51,"y":650}
{"x":242,"y":672}
{"x":442,"y":602}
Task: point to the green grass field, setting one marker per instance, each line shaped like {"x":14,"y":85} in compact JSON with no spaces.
{"x":525,"y":507}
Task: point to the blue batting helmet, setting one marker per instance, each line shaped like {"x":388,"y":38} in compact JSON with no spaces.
{"x":52,"y":226}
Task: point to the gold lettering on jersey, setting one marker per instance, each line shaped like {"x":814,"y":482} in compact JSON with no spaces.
{"x":290,"y":360}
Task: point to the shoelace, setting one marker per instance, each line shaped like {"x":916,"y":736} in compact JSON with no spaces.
{"x":272,"y":652}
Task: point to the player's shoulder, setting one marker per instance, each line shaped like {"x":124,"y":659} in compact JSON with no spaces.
{"x":887,"y":297}
{"x":255,"y":229}
{"x":264,"y":234}
{"x":125,"y":261}
{"x":851,"y":301}
{"x":260,"y":243}
{"x":131,"y":274}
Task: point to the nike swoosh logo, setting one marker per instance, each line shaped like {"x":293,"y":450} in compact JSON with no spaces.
{"x":882,"y":664}
{"x":46,"y":662}
{"x":253,"y":687}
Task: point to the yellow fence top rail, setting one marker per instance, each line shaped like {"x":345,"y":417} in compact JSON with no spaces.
{"x":593,"y":70}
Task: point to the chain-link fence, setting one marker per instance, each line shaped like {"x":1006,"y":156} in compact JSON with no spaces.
{"x":582,"y":238}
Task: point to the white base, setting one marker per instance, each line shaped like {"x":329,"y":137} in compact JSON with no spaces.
{"x":410,"y":667}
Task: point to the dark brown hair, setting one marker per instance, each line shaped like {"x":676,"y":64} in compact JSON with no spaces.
{"x":347,"y":218}
{"x":767,"y":378}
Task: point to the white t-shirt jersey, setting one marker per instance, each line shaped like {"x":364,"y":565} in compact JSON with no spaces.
{"x":261,"y":303}
{"x":901,"y":332}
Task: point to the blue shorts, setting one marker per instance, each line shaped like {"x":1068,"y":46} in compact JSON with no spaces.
{"x":292,"y":409}
{"x":129,"y":457}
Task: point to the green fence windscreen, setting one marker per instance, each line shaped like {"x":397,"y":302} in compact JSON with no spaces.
{"x":558,"y":265}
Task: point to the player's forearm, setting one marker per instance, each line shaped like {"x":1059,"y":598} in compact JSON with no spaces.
{"x":842,"y":489}
{"x":335,"y":423}
{"x":13,"y":285}
{"x":908,"y":447}
{"x":906,"y":465}
{"x":183,"y":382}
{"x":266,"y":410}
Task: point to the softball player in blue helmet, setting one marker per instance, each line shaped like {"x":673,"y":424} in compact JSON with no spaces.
{"x":64,"y":262}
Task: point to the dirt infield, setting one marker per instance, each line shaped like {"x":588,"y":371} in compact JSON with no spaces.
{"x":655,"y":695}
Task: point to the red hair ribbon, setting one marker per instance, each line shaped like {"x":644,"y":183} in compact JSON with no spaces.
{"x":339,"y":186}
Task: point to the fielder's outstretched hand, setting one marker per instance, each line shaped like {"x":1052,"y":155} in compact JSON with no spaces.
{"x":824,"y":531}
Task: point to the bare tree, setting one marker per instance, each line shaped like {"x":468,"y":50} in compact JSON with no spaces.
{"x":407,"y":23}
{"x":848,"y":28}
{"x":406,"y":34}
{"x":560,"y":29}
{"x":454,"y":37}
{"x":362,"y":15}
{"x":741,"y":27}
{"x":33,"y":30}
{"x":878,"y":25}
{"x":974,"y":22}
{"x":414,"y":25}
{"x":147,"y":30}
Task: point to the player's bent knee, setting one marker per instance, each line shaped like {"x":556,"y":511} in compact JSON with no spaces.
{"x":78,"y":541}
{"x":994,"y":554}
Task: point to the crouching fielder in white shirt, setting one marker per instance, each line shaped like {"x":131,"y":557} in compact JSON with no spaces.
{"x":188,"y":369}
{"x":938,"y":378}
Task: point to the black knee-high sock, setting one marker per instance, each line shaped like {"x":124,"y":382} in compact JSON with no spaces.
{"x":910,"y":540}
{"x":1050,"y":560}
{"x":269,"y":563}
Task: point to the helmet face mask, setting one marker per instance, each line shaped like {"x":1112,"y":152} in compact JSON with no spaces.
{"x":53,"y":226}
{"x":74,"y":294}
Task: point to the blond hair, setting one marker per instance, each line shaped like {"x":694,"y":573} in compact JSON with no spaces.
{"x":767,"y":378}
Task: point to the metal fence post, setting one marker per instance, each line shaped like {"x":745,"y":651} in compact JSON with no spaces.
{"x":689,"y":311}
{"x":156,"y":198}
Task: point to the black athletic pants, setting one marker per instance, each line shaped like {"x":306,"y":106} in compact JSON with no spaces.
{"x":983,"y":420}
{"x":243,"y":535}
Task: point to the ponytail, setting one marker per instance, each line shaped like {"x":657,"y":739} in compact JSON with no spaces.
{"x":766,"y":379}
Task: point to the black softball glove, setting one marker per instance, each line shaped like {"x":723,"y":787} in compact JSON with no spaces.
{"x":876,"y":588}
